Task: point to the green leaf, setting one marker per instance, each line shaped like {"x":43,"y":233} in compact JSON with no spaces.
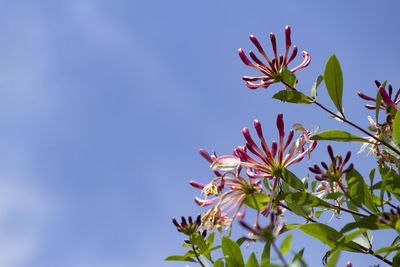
{"x":365,"y":239}
{"x":396,"y":259}
{"x":333,"y":195}
{"x":265,"y":257}
{"x":327,"y":235}
{"x":391,"y":181}
{"x":334,"y":82}
{"x":370,"y":222}
{"x":334,"y":258}
{"x":240,"y":241}
{"x":288,"y":77}
{"x":288,"y":227}
{"x":313,"y":185}
{"x":371,"y":176}
{"x":210,"y":239}
{"x":257,"y":201}
{"x":292,"y":97}
{"x":298,"y":260}
{"x":337,"y":135}
{"x":319,"y":213}
{"x":219,"y":263}
{"x":292,"y":180}
{"x":252,"y":261}
{"x":396,"y":127}
{"x":286,"y":244}
{"x":359,"y":191}
{"x":313,"y":93}
{"x":198,"y":240}
{"x":304,"y":199}
{"x":179,"y":258}
{"x":232,"y":252}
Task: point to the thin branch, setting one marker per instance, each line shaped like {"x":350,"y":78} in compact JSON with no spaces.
{"x":197,"y":256}
{"x":370,"y":251}
{"x":279,"y":254}
{"x":346,"y":121}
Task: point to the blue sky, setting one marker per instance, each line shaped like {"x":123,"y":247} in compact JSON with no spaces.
{"x":104,"y":104}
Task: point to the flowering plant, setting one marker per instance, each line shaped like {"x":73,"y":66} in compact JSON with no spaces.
{"x":256,"y":177}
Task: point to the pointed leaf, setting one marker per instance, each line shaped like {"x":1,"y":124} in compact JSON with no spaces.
{"x":232,"y":252}
{"x":252,"y":261}
{"x":396,"y":127}
{"x":337,"y":135}
{"x":327,"y":235}
{"x":334,"y":81}
{"x":257,"y":201}
{"x":370,"y":222}
{"x":179,"y":258}
{"x":292,"y":97}
{"x":334,"y":258}
{"x":219,"y":263}
{"x":313,"y":93}
{"x":304,"y":199}
{"x":359,"y":191}
{"x":265,"y":257}
{"x":288,"y":77}
{"x":286,"y":244}
{"x":371,"y":176}
{"x":298,"y":259}
{"x":292,"y":180}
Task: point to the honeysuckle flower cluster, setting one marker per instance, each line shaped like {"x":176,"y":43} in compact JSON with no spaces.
{"x":272,"y":72}
{"x":388,"y":99}
{"x":189,"y":226}
{"x":335,"y":171}
{"x":267,"y":162}
{"x":225,"y":206}
{"x":330,"y":176}
{"x":257,"y":176}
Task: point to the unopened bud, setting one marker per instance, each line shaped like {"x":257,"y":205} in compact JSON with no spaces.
{"x":244,"y":58}
{"x":287,"y":36}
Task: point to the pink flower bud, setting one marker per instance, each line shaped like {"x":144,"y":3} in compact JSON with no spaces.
{"x":280,"y":125}
{"x":244,"y":58}
{"x":287,"y":35}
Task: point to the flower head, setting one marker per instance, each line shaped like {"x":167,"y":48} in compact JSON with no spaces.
{"x":272,"y":72}
{"x":188,"y":226}
{"x":388,"y":101}
{"x":335,"y":171}
{"x":269,"y":162}
{"x":228,"y":189}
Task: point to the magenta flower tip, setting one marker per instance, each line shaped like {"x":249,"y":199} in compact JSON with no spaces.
{"x":244,"y":58}
{"x":247,"y":136}
{"x":196,"y":184}
{"x":257,"y":126}
{"x":386,"y":98}
{"x":287,"y":35}
{"x":273,"y":41}
{"x":205,"y":155}
{"x":280,"y":125}
{"x":254,"y":40}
